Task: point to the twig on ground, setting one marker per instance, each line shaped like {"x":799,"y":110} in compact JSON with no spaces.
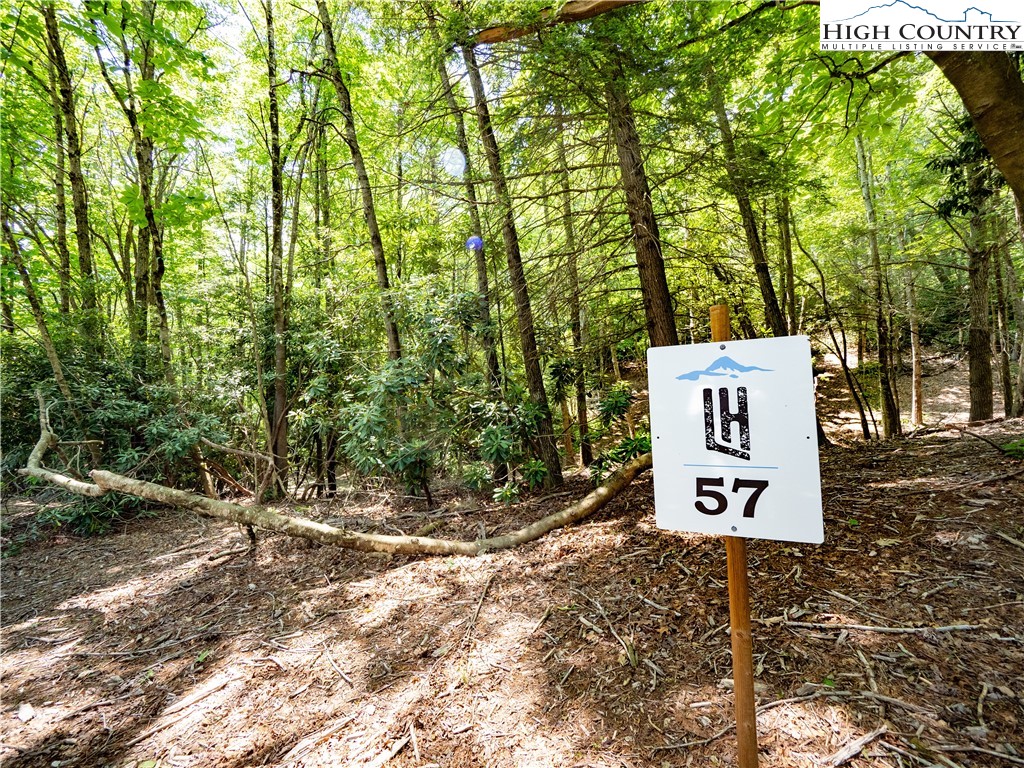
{"x":199,"y":695}
{"x":1006,"y":537}
{"x":982,"y":438}
{"x":854,"y":748}
{"x":980,"y":751}
{"x":472,"y":622}
{"x":412,"y":738}
{"x":541,"y":620}
{"x":337,"y":669}
{"x":884,"y":630}
{"x":395,"y":749}
{"x":309,"y":742}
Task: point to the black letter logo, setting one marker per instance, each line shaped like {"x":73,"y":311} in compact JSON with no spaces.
{"x":726,"y":418}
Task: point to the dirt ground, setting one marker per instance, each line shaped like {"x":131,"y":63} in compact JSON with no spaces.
{"x":604,"y":644}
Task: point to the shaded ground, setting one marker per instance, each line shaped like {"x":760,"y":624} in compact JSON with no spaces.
{"x":605,"y":644}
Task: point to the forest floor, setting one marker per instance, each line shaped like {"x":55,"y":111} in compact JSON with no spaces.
{"x":604,"y":644}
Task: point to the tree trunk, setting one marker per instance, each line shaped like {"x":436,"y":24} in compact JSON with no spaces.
{"x":1013,"y":288}
{"x":531,"y":357}
{"x":366,"y":192}
{"x":479,"y":254}
{"x":1003,"y":336}
{"x":60,"y":211}
{"x":916,"y":390}
{"x":891,"y":426}
{"x":979,"y":341}
{"x":740,"y":189}
{"x":79,"y":195}
{"x":990,"y":85}
{"x":575,"y":310}
{"x":6,"y":306}
{"x":279,"y":444}
{"x":36,"y":306}
{"x":789,"y":278}
{"x":661,"y":322}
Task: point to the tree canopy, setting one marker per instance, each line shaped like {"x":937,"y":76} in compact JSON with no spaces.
{"x":255,"y":247}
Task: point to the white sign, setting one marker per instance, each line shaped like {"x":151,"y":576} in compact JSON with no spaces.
{"x":734,"y":439}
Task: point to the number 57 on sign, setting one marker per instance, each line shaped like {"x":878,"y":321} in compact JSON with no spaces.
{"x":734,"y":440}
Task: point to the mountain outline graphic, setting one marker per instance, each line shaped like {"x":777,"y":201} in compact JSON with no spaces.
{"x":911,"y":6}
{"x":723,"y":366}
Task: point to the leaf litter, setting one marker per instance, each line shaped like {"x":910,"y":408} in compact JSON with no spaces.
{"x":899,"y":642}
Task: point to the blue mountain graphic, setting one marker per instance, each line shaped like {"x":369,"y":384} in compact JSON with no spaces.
{"x":926,"y":11}
{"x":723,"y":366}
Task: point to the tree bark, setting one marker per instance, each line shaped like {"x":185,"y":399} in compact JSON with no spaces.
{"x":531,"y":358}
{"x":279,"y":431}
{"x":891,"y":426}
{"x":789,"y":278}
{"x":979,"y":352}
{"x":990,"y":85}
{"x":60,"y":211}
{"x":366,"y":192}
{"x":1003,"y":336}
{"x":916,"y":390}
{"x":658,"y":312}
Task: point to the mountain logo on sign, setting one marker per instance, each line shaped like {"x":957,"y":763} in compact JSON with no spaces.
{"x":723,"y":366}
{"x":902,"y":5}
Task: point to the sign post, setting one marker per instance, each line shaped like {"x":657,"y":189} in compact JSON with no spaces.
{"x":735,"y":454}
{"x":739,"y":609}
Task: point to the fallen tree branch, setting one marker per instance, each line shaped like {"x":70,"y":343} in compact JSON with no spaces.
{"x":34,"y":465}
{"x":262,"y":517}
{"x":268,"y":519}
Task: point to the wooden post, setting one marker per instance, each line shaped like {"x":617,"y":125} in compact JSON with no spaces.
{"x":739,"y":609}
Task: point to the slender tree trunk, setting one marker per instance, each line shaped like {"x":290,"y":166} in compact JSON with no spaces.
{"x":979,"y":342}
{"x":60,"y":211}
{"x":916,"y":390}
{"x":773,"y":312}
{"x":79,"y":196}
{"x":531,"y":358}
{"x":479,"y":254}
{"x":36,"y":306}
{"x":1005,"y":343}
{"x":789,"y":278}
{"x":575,"y":311}
{"x":661,"y":322}
{"x":366,"y":192}
{"x":6,"y":307}
{"x":279,"y":445}
{"x":891,"y":426}
{"x":1013,"y":288}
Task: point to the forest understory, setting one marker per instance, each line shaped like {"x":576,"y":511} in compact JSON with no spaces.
{"x":899,"y":642}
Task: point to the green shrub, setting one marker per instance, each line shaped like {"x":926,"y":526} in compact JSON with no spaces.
{"x":1014,"y":449}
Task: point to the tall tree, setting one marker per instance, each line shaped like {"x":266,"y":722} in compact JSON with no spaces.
{"x":68,"y":139}
{"x":470,"y":183}
{"x":351,"y":138}
{"x":751,"y":230}
{"x":279,"y":432}
{"x":891,"y":426}
{"x":517,"y":276}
